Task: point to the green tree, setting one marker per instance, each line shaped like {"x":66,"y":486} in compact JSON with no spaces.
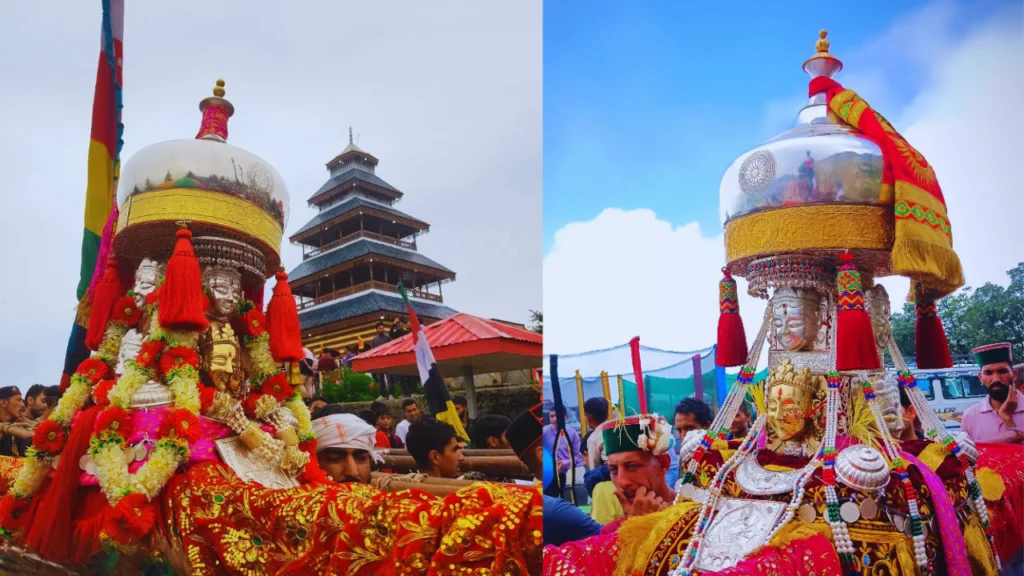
{"x":537,"y":318}
{"x":973,"y":317}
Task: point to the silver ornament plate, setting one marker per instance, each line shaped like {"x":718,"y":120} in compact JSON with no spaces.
{"x":740,"y":527}
{"x":754,"y":479}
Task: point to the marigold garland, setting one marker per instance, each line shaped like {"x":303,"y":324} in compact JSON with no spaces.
{"x":178,"y":361}
{"x":39,"y":459}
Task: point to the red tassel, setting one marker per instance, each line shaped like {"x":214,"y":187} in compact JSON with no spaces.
{"x":732,"y":340}
{"x":855,"y":338}
{"x":182,"y":302}
{"x":930,"y":344}
{"x":283,"y":323}
{"x":107,"y":291}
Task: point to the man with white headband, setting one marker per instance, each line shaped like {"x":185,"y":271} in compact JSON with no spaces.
{"x":344,"y":445}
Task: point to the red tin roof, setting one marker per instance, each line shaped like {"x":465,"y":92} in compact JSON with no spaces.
{"x":458,"y":342}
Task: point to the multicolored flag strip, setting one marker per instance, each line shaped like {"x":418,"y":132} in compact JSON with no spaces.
{"x":101,"y":188}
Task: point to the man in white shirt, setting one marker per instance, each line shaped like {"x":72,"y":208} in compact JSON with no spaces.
{"x":595,"y":411}
{"x":412,"y":414}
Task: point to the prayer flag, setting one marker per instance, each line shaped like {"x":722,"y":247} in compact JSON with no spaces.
{"x":438,"y":399}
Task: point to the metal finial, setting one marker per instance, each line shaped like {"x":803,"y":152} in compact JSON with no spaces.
{"x":822,"y":44}
{"x":349,"y":134}
{"x":822,"y":63}
{"x":218,"y":90}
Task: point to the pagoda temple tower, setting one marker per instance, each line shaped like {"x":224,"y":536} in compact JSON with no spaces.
{"x":354,"y":254}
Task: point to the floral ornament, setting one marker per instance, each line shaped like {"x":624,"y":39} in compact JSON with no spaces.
{"x":93,"y":369}
{"x":278,"y":387}
{"x":252,"y":324}
{"x":101,"y":391}
{"x":149,"y":352}
{"x":250,"y":403}
{"x":49,"y":437}
{"x":126,"y":312}
{"x":312,"y":473}
{"x":178,"y":357}
{"x":181,"y":424}
{"x":113,"y":421}
{"x":206,"y":396}
{"x":14,"y":515}
{"x":130,"y":520}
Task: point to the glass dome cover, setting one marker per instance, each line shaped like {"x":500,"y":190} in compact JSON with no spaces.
{"x":816,"y":173}
{"x":217,"y":188}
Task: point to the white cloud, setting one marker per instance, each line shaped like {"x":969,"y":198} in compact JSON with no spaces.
{"x":447,"y":95}
{"x":628,"y":273}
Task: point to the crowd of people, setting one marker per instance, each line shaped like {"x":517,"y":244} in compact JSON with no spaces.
{"x":622,"y":480}
{"x":19,"y":415}
{"x":312,"y":367}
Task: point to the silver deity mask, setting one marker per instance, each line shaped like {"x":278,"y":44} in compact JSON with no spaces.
{"x":796,"y":318}
{"x":224,"y":285}
{"x":131,"y":343}
{"x":147,"y":276}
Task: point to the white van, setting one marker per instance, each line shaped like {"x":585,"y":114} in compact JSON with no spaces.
{"x":950,"y":391}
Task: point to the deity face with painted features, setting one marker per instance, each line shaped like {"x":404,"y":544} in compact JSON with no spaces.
{"x":790,"y":398}
{"x":222,"y":360}
{"x":147,"y":276}
{"x":796,"y":318}
{"x":224,"y":285}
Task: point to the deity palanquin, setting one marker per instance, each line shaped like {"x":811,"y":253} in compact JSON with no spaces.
{"x":821,"y":485}
{"x":181,"y":441}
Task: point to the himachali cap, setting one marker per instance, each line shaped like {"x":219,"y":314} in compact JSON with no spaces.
{"x":525,"y":431}
{"x":993,"y":354}
{"x":647,"y":432}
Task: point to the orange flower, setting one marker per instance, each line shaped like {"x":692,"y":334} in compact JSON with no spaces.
{"x":93,"y":369}
{"x":253,"y":323}
{"x":115,"y":420}
{"x":126,"y":312}
{"x":50,"y":437}
{"x":131,"y":520}
{"x":182,"y":424}
{"x":278,"y":387}
{"x":177,"y":357}
{"x":149,"y":352}
{"x":14,"y":513}
{"x":101,"y":391}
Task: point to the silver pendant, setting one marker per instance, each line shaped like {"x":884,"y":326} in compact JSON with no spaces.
{"x":140,"y":452}
{"x":898,"y":522}
{"x":868,"y":509}
{"x":850,"y":512}
{"x":807,"y":514}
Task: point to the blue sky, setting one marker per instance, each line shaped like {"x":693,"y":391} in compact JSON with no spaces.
{"x":645,"y":107}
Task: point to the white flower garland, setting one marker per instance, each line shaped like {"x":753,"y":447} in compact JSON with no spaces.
{"x":111,"y":463}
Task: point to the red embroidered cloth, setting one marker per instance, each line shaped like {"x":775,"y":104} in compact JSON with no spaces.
{"x":222,"y":525}
{"x":1006,"y":515}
